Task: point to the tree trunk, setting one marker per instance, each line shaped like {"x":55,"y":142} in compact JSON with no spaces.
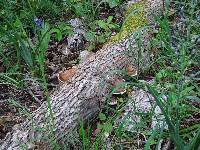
{"x":82,"y":97}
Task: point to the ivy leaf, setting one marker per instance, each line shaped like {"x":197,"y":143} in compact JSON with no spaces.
{"x":111,"y":26}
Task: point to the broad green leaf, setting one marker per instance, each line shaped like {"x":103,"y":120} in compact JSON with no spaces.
{"x":26,"y":53}
{"x":113,"y":3}
{"x":102,"y":24}
{"x":110,"y":18}
{"x":111,"y":26}
{"x":102,"y":116}
{"x":99,"y":126}
{"x":91,"y":47}
{"x":108,"y":127}
{"x":44,"y":40}
{"x":90,"y":36}
{"x":101,"y":39}
{"x":17,"y":23}
{"x":58,"y":33}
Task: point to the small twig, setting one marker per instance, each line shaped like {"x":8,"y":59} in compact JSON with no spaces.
{"x":36,"y":99}
{"x":61,"y":41}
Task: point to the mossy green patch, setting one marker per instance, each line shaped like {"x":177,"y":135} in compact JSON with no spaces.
{"x":135,"y":18}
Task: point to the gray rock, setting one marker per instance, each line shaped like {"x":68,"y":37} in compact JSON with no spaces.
{"x":140,"y":102}
{"x":158,"y":119}
{"x":75,"y":40}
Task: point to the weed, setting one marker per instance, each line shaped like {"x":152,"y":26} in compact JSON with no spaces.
{"x":27,"y":27}
{"x":173,"y":82}
{"x":100,"y":31}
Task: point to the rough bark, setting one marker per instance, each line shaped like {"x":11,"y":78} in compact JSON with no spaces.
{"x":84,"y":94}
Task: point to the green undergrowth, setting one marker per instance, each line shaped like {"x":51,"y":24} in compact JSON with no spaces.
{"x":175,"y":90}
{"x":27,"y":28}
{"x":135,"y":18}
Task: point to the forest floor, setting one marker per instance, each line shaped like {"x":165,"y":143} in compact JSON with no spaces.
{"x":39,"y":49}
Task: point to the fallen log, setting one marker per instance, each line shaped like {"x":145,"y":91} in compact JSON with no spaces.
{"x":84,"y":94}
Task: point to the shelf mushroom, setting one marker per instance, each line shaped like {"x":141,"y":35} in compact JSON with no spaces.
{"x":132,"y":71}
{"x":121,"y":89}
{"x":67,"y":74}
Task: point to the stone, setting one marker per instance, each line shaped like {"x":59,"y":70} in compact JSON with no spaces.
{"x":158,"y":119}
{"x":140,"y":102}
{"x":76,"y":39}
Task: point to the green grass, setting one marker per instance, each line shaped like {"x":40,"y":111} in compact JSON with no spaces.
{"x":173,"y":69}
{"x":23,"y":44}
{"x":171,"y":75}
{"x":174,"y":80}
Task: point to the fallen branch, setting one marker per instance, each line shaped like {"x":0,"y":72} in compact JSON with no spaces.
{"x":84,"y":94}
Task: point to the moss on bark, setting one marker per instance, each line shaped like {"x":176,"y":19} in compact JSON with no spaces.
{"x":135,"y":18}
